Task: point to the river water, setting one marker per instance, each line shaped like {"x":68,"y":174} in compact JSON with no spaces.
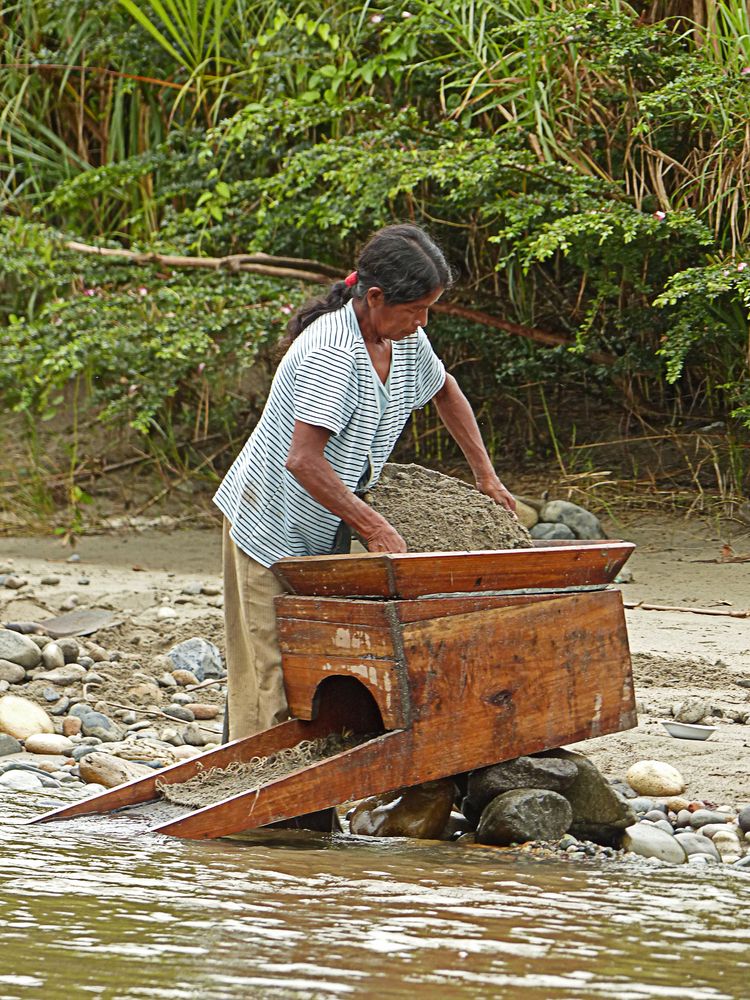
{"x":100,"y":907}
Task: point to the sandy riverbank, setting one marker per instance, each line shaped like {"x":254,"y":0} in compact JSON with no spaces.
{"x":675,"y":654}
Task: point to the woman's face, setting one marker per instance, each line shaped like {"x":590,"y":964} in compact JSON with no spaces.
{"x":396,"y":322}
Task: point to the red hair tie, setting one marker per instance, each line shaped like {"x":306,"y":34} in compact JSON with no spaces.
{"x":351,"y":279}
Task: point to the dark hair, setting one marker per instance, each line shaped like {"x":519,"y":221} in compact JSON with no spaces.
{"x":401,"y":260}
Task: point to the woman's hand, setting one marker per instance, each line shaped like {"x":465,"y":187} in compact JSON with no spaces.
{"x":491,"y":486}
{"x":384,"y":538}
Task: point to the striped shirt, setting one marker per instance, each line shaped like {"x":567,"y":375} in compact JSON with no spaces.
{"x":325,"y":379}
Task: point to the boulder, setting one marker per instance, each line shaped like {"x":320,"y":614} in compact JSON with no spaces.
{"x":654,"y":777}
{"x":21,"y":718}
{"x":693,"y":710}
{"x":13,"y":673}
{"x":696,"y":843}
{"x":524,"y":814}
{"x":49,"y":743}
{"x":421,"y":812}
{"x":19,"y":649}
{"x":544,"y":530}
{"x":487,"y":783}
{"x":599,"y":813}
{"x":581,"y":522}
{"x":646,"y":840}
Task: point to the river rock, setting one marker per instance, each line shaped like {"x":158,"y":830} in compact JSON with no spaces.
{"x":702,"y":817}
{"x":599,"y":813}
{"x":63,"y":675}
{"x":646,"y":840}
{"x":13,"y":673}
{"x":109,"y":771}
{"x":543,"y":530}
{"x":526,"y":514}
{"x":70,"y":650}
{"x":71,"y":726}
{"x":146,"y":693}
{"x":52,"y":656}
{"x":100,"y":725}
{"x":179,"y":712}
{"x":693,"y":710}
{"x":19,"y":649}
{"x":8,"y":745}
{"x":743,"y":819}
{"x":695,"y":843}
{"x":184,"y":677}
{"x":194,"y":735}
{"x":203,"y":712}
{"x":421,"y":811}
{"x":49,"y":743}
{"x":21,"y":781}
{"x":21,"y":718}
{"x":653,"y":777}
{"x":581,"y":522}
{"x":524,"y":814}
{"x":199,"y":656}
{"x":487,"y":783}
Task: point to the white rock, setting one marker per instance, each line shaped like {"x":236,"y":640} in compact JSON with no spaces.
{"x":49,"y":743}
{"x":165,"y":613}
{"x":654,"y":777}
{"x":21,"y":718}
{"x":52,"y":656}
{"x":650,"y":842}
{"x":22,"y":781}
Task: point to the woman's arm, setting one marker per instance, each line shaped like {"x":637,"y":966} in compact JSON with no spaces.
{"x":456,"y":413}
{"x":316,"y":475}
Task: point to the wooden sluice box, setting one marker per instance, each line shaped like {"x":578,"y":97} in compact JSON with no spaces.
{"x":444,"y":662}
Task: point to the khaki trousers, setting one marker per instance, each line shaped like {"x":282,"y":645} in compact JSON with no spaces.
{"x":255,"y":682}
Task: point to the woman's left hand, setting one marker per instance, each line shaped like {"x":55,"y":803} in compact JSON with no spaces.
{"x":494,"y":489}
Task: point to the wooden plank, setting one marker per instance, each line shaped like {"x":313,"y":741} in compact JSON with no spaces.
{"x":417,"y":574}
{"x":334,"y":639}
{"x":333,"y":609}
{"x":423,"y":608}
{"x":385,"y":680}
{"x":332,"y":718}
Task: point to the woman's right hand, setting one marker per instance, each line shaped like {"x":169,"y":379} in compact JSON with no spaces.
{"x":384,"y":538}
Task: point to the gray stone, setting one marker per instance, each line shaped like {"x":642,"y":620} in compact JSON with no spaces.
{"x":100,"y":725}
{"x":71,"y":650}
{"x":693,"y":710}
{"x":52,"y":656}
{"x":179,"y":712}
{"x":104,"y":769}
{"x":543,"y":530}
{"x":487,"y":783}
{"x":50,"y":581}
{"x":744,"y":819}
{"x":696,"y":843}
{"x":63,"y":675}
{"x":13,"y":673}
{"x":81,"y":709}
{"x":580,"y":521}
{"x":650,"y":842}
{"x":82,"y":750}
{"x":683,"y":818}
{"x":19,"y":649}
{"x":60,"y":707}
{"x":524,"y":814}
{"x":599,"y":814}
{"x":8,"y":745}
{"x":191,"y":589}
{"x":14,"y":582}
{"x":702,"y":817}
{"x":641,"y":804}
{"x":21,"y":781}
{"x":655,"y":815}
{"x":199,"y":656}
{"x":85,"y":661}
{"x":194,"y":736}
{"x":663,"y":824}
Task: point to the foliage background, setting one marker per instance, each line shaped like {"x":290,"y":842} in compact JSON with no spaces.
{"x":584,"y":165}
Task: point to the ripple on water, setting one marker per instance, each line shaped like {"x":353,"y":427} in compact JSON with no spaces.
{"x":99,"y":905}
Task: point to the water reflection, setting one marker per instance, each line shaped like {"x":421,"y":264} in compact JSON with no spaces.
{"x":100,"y":907}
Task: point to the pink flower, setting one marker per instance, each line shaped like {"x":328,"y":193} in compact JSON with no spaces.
{"x":745,"y":71}
{"x":741,"y":266}
{"x":286,"y":310}
{"x":89,"y":291}
{"x":132,"y":389}
{"x":201,"y":367}
{"x":142,"y":290}
{"x":376,"y":18}
{"x":661,"y":216}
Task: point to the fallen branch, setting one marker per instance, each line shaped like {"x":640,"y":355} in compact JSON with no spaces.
{"x":152,"y":712}
{"x":640,"y":606}
{"x":303,"y":269}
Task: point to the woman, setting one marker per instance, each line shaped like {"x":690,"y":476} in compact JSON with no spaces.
{"x":358,"y":365}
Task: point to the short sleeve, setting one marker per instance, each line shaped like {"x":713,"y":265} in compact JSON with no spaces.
{"x":430,"y":371}
{"x":325,"y":389}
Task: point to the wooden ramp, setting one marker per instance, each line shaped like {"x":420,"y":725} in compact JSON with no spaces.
{"x":443,"y":667}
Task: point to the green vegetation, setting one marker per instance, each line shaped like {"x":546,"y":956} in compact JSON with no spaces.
{"x":583,"y":164}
